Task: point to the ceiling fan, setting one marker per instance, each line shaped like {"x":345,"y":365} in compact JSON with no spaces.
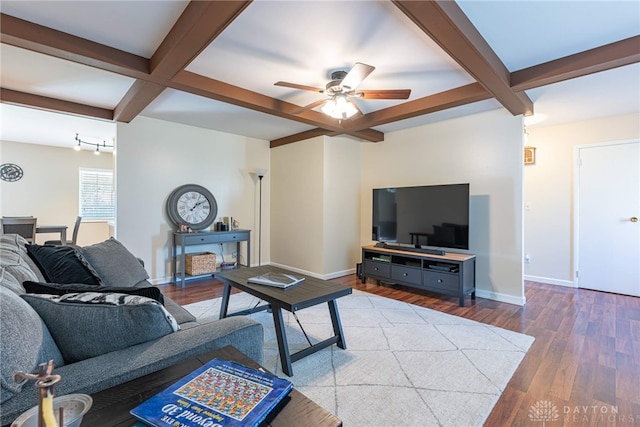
{"x":342,"y":88}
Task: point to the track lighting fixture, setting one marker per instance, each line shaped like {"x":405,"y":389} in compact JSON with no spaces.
{"x":78,"y":146}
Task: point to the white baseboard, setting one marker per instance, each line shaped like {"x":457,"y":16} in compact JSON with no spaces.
{"x":328,"y":276}
{"x":550,"y":281}
{"x":501,"y":297}
{"x":161,"y":280}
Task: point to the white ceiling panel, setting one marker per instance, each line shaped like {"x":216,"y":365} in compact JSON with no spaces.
{"x":28,"y":125}
{"x":527,"y":33}
{"x":31,"y":72}
{"x":193,"y":110}
{"x":609,"y":93}
{"x":136,"y":27}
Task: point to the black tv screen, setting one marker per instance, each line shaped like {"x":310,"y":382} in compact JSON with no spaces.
{"x":431,"y":215}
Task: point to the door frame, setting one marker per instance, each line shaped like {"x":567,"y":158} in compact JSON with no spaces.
{"x":576,"y":199}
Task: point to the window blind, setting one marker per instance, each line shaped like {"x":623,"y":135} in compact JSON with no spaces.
{"x":96,"y":194}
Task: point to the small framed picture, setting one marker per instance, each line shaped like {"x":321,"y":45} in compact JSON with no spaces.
{"x":529,"y":155}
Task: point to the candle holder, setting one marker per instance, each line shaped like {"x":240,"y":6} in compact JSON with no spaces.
{"x":63,"y":411}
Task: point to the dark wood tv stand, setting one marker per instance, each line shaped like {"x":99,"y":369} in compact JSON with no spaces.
{"x":449,"y":274}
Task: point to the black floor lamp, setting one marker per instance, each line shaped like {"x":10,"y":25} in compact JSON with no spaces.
{"x":261,"y":173}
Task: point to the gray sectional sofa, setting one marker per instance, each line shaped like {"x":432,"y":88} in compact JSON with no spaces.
{"x":97,"y":339}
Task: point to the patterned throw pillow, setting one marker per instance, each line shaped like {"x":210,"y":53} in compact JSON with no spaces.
{"x":71,"y":288}
{"x":89,"y":324}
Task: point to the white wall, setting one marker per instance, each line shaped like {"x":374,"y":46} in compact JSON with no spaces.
{"x":49,"y":187}
{"x":297,"y":205}
{"x":485,"y":150}
{"x":549,"y":190}
{"x":315,"y":206}
{"x":341,"y":205}
{"x":154,"y":157}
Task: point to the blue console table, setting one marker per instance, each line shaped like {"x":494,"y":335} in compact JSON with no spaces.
{"x":183,"y":241}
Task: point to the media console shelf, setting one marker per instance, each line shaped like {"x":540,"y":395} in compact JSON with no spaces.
{"x":450,"y":274}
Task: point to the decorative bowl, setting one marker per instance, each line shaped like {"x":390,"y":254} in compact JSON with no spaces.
{"x":74,"y":406}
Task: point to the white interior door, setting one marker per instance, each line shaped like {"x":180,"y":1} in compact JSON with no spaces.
{"x":608,"y":212}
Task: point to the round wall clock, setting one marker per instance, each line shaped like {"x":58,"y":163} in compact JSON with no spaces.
{"x":192,"y":205}
{"x":10,"y":172}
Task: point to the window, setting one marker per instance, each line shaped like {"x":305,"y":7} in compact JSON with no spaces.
{"x":96,"y":194}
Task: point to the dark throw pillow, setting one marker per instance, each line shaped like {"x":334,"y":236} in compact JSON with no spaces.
{"x":114,"y":263}
{"x":89,"y":324}
{"x":70,"y":288}
{"x":59,"y":264}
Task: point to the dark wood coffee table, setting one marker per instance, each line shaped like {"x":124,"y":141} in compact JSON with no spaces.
{"x":111,"y":407}
{"x":303,"y":295}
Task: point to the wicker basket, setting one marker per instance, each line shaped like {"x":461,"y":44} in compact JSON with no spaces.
{"x":200,"y":263}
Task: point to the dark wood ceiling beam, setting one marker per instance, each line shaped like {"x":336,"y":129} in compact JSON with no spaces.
{"x":463,"y":95}
{"x":139,"y":95}
{"x":37,"y":38}
{"x":214,"y":89}
{"x":299,"y":137}
{"x":450,"y":28}
{"x":613,"y":55}
{"x":200,"y":23}
{"x":14,"y":97}
{"x":376,"y":136}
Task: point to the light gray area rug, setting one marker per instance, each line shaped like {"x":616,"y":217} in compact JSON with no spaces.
{"x":404,"y":365}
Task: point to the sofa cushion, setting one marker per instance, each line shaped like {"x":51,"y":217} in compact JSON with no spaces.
{"x":9,"y":282}
{"x":13,"y":246}
{"x":71,"y":288}
{"x":59,"y":264}
{"x":115,"y":265}
{"x":26,"y":342}
{"x":88,"y":324}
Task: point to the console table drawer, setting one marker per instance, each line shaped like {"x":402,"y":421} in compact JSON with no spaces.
{"x":196,"y":238}
{"x":236,"y":236}
{"x":377,"y":268}
{"x":407,"y":274}
{"x":441,"y":280}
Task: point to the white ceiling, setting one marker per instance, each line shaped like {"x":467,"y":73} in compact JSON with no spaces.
{"x":302,"y":42}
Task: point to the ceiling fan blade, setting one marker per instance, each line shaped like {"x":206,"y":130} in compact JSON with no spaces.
{"x":309,"y":106}
{"x":356,"y":75}
{"x":297,"y":86}
{"x":384,"y":94}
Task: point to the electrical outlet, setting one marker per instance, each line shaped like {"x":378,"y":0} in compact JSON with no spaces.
{"x":527,"y":259}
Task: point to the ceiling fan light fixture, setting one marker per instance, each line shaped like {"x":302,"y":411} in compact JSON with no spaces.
{"x":339,"y":107}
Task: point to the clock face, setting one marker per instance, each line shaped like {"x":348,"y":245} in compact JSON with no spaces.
{"x":192,"y":205}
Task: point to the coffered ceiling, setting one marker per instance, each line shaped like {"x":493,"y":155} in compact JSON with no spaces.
{"x":214,"y":64}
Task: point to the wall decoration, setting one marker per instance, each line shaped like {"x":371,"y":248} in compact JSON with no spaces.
{"x":529,"y":155}
{"x":193,"y":206}
{"x":10,"y":172}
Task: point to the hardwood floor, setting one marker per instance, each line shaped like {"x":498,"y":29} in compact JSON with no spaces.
{"x":584,"y":364}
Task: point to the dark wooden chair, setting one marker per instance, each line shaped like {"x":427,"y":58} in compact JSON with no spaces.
{"x":74,"y":236}
{"x":24,"y":226}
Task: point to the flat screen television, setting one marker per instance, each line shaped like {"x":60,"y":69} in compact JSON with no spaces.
{"x":431,"y":215}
